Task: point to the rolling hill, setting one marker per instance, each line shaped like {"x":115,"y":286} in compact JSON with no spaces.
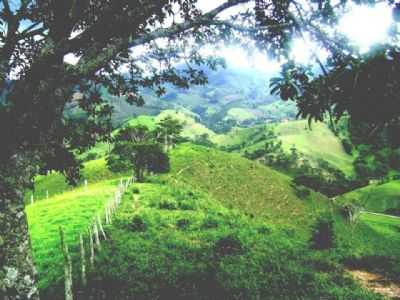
{"x":315,"y":142}
{"x":377,"y":198}
{"x":231,"y":179}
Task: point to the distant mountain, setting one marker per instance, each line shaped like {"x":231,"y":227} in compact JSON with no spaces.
{"x":232,"y":97}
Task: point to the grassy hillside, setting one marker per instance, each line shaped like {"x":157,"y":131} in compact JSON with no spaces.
{"x":93,"y":171}
{"x":243,"y":184}
{"x":176,"y":243}
{"x":375,"y":198}
{"x":317,"y":143}
{"x":67,"y":206}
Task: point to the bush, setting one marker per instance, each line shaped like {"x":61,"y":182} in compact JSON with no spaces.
{"x":91,"y":156}
{"x":168,"y":204}
{"x":323,"y":234}
{"x":138,"y":224}
{"x":135,"y":190}
{"x":210,"y":222}
{"x":183,"y":223}
{"x":302,"y":192}
{"x":229,"y":245}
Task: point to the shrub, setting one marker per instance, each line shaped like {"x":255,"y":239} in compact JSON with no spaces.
{"x":138,"y":224}
{"x":91,"y":156}
{"x":210,"y":222}
{"x":323,"y":234}
{"x":135,"y":190}
{"x":168,"y":204}
{"x":228,"y":245}
{"x":183,"y":223}
{"x":302,"y":192}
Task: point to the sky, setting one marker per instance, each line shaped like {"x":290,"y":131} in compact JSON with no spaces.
{"x":364,"y":25}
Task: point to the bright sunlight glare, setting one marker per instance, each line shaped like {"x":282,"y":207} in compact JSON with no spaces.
{"x":366,"y":26}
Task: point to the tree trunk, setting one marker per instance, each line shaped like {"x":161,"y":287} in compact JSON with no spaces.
{"x":17,"y":272}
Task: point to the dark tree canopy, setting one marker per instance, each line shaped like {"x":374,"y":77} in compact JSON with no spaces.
{"x":136,"y":150}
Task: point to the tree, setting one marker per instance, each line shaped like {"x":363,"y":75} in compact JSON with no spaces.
{"x":323,"y":233}
{"x":136,"y":148}
{"x":168,"y":131}
{"x":39,"y":86}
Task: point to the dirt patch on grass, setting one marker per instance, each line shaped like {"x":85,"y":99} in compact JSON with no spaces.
{"x":377,"y":283}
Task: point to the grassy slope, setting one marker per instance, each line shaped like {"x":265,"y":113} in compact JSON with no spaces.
{"x":70,"y":207}
{"x":73,"y":210}
{"x":191,"y":128}
{"x":165,"y":244}
{"x":372,"y":235}
{"x":319,"y":142}
{"x":375,"y":198}
{"x":94,"y":171}
{"x":240,"y":183}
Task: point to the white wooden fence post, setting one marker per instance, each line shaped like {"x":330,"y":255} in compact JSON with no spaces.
{"x":83,"y":261}
{"x":101,"y":227}
{"x":67,"y":267}
{"x":96,"y":236}
{"x":91,"y":244}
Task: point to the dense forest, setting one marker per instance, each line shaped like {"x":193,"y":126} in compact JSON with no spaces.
{"x":181,"y":149}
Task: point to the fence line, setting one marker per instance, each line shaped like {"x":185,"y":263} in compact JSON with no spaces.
{"x":94,"y":242}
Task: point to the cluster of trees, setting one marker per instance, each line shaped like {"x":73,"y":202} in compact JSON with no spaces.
{"x":143,"y":150}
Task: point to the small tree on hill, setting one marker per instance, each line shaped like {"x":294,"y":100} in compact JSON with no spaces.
{"x":136,"y":147}
{"x":168,"y":131}
{"x":323,"y":233}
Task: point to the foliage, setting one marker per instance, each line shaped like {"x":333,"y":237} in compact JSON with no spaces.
{"x":137,"y":148}
{"x":323,"y":234}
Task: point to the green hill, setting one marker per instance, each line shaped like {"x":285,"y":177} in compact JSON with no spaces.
{"x":319,"y":142}
{"x":178,"y":243}
{"x":375,"y":198}
{"x":167,"y":232}
{"x":242,"y":184}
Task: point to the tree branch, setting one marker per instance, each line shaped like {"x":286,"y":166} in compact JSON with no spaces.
{"x":88,"y":65}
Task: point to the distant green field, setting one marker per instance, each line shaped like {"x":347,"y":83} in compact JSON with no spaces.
{"x":375,"y":198}
{"x":316,"y":143}
{"x":240,"y":114}
{"x":191,"y":128}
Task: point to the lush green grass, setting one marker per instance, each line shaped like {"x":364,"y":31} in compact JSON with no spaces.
{"x":94,"y":171}
{"x":371,"y":235}
{"x":242,"y":184}
{"x":316,"y":143}
{"x":376,"y":197}
{"x":175,"y":243}
{"x":73,"y":210}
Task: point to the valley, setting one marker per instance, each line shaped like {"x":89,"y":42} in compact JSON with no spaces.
{"x":212,"y":195}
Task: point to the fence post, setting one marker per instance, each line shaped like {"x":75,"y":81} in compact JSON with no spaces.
{"x":67,"y":267}
{"x":96,"y":236}
{"x":83,"y":261}
{"x":32,"y":200}
{"x":91,"y":244}
{"x":101,"y":227}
